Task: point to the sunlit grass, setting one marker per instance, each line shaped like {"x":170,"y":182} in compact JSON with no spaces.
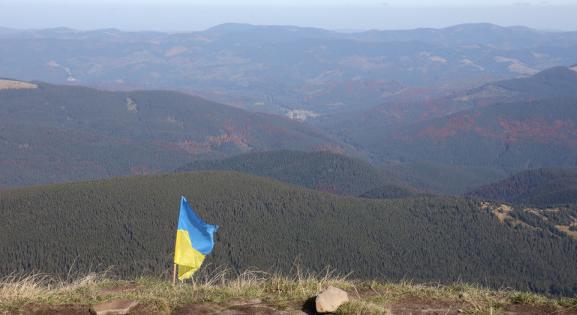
{"x":282,"y":292}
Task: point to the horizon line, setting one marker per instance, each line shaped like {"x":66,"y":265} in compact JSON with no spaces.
{"x":343,"y":30}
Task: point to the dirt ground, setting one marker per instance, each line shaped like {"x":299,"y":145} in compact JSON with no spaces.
{"x":403,"y":307}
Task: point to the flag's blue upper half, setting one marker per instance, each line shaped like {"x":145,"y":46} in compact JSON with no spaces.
{"x":201,"y":234}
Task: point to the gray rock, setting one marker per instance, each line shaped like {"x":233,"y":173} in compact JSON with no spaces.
{"x":114,"y":307}
{"x":330,"y":299}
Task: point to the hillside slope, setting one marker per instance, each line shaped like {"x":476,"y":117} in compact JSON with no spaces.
{"x":554,"y":82}
{"x":323,"y":171}
{"x":541,"y":187}
{"x":129,"y":223}
{"x":52,"y":133}
{"x":513,"y":124}
{"x":438,"y":178}
{"x":521,"y":135}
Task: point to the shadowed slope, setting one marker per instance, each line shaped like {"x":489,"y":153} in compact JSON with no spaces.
{"x":541,"y":187}
{"x":61,"y":133}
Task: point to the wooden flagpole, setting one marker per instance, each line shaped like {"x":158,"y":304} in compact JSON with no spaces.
{"x":174,"y":274}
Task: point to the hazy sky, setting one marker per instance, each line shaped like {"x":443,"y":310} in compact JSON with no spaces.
{"x":305,"y":2}
{"x":186,"y":15}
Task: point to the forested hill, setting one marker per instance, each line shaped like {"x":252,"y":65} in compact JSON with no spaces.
{"x":390,"y":192}
{"x":323,"y":171}
{"x":518,"y":136}
{"x":554,"y":82}
{"x":51,"y":133}
{"x":541,"y":187}
{"x":129,"y":223}
{"x":510,"y":125}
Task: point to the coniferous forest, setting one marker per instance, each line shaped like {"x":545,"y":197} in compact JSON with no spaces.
{"x":129,"y":224}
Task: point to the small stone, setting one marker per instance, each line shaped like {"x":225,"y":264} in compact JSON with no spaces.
{"x":330,"y":299}
{"x":114,"y":307}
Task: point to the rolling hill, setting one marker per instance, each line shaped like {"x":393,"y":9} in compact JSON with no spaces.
{"x":512,"y":125}
{"x":520,"y":135}
{"x":555,"y":82}
{"x":129,"y":223}
{"x":540,"y":187}
{"x":373,"y":129}
{"x":324,"y":171}
{"x":51,"y":133}
{"x":283,"y":68}
{"x":443,"y":179}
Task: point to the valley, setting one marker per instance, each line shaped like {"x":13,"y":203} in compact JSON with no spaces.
{"x":435,"y":167}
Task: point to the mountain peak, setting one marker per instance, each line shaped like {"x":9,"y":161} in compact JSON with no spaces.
{"x":558,"y":73}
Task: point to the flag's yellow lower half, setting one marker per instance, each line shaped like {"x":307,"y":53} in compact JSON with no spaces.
{"x":186,"y":257}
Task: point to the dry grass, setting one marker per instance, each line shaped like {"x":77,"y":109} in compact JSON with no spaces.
{"x":282,"y":292}
{"x":16,"y":85}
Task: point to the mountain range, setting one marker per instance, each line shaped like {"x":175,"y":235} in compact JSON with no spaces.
{"x":280,"y":69}
{"x":514,"y":124}
{"x":52,"y":133}
{"x":96,"y":134}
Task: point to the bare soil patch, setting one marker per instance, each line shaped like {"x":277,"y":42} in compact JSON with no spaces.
{"x":16,"y":85}
{"x":414,"y":306}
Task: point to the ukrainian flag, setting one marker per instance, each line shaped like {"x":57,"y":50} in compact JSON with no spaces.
{"x":194,"y":240}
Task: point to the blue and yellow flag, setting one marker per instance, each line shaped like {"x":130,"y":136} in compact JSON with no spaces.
{"x":194,"y":240}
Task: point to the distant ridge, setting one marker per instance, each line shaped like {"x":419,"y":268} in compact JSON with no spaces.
{"x":554,"y":82}
{"x":542,"y":187}
{"x":324,"y":171}
{"x":515,"y":124}
{"x":280,"y":68}
{"x":56,"y":133}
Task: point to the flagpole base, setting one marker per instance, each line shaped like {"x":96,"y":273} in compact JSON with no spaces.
{"x":174,"y":274}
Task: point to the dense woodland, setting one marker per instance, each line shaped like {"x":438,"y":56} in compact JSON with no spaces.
{"x":390,"y":192}
{"x":443,"y":178}
{"x":540,"y":187}
{"x":129,"y":223}
{"x":323,"y":171}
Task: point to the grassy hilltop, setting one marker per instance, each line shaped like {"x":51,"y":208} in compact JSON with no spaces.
{"x":267,"y":294}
